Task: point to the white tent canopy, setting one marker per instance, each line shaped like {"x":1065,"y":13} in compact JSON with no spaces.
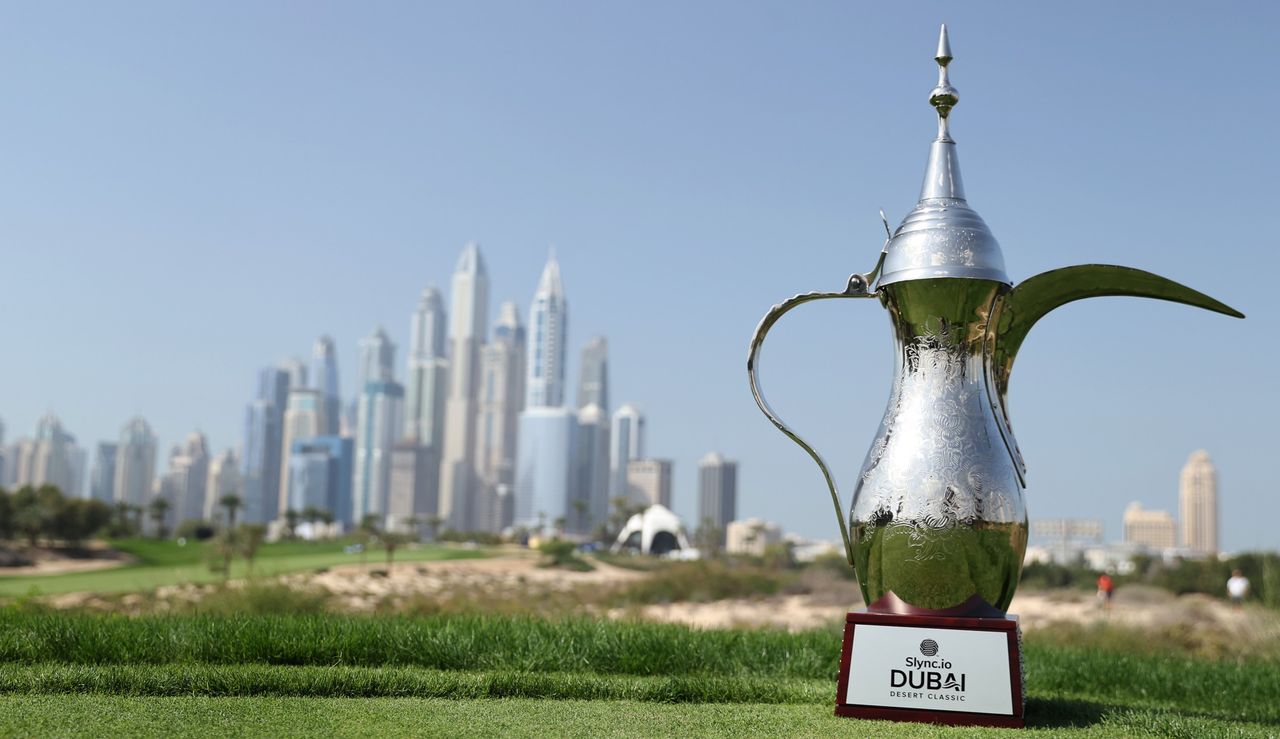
{"x":655,"y":530}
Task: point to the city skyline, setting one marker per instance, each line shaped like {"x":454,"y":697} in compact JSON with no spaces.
{"x":686,"y":192}
{"x":1196,"y":528}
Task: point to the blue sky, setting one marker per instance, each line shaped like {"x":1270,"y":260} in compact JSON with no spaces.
{"x":191,"y":191}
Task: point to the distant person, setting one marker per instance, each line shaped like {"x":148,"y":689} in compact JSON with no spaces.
{"x":1238,"y":588}
{"x":1106,"y":591}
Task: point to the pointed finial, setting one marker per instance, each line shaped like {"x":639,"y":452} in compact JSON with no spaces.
{"x":943,"y":56}
{"x":943,"y":97}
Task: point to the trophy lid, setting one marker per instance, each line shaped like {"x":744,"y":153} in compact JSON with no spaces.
{"x":942,"y":236}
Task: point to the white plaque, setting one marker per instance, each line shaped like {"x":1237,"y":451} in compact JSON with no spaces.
{"x":930,"y":669}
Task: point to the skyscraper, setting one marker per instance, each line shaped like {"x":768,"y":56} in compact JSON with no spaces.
{"x":717,"y":493}
{"x":378,"y":425}
{"x":135,"y":463}
{"x":544,"y":455}
{"x":303,"y":419}
{"x":377,"y":357}
{"x":102,"y":482}
{"x":468,"y":317}
{"x":78,"y":459}
{"x":379,"y":421}
{"x":428,"y":378}
{"x":296,"y":370}
{"x":649,"y":482}
{"x":168,"y":485}
{"x":263,"y":455}
{"x":502,"y":372}
{"x":1198,"y":504}
{"x":589,"y":499}
{"x":593,"y":375}
{"x":224,"y":479}
{"x":50,"y":458}
{"x":626,"y":442}
{"x":320,"y":476}
{"x":189,"y":470}
{"x":411,"y":488}
{"x":548,"y":322}
{"x":324,"y":377}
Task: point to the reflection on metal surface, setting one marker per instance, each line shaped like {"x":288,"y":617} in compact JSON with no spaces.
{"x":938,"y":516}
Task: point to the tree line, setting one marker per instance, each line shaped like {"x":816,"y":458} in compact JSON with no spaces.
{"x":36,"y":514}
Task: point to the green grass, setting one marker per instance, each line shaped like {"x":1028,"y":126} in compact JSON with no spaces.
{"x":72,"y":674}
{"x":100,"y":715}
{"x":448,"y":643}
{"x":161,"y":563}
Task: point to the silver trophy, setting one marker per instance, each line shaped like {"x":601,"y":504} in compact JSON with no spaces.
{"x":938,"y":524}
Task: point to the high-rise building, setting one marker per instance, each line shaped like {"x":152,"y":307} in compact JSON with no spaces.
{"x":189,"y":470}
{"x":379,"y":421}
{"x":324,"y":377}
{"x":593,"y":375}
{"x":542,"y":465}
{"x":649,"y":482}
{"x":545,"y":450}
{"x":626,"y":442}
{"x":377,"y":357}
{"x":548,"y":324}
{"x":51,"y":458}
{"x":412,"y":491}
{"x":303,"y":419}
{"x":501,"y":398}
{"x":1198,"y":504}
{"x":717,"y":493}
{"x":224,"y":479}
{"x":102,"y":482}
{"x":589,"y":498}
{"x":1151,"y":529}
{"x":427,"y":383}
{"x":135,"y":463}
{"x":168,"y":485}
{"x":320,"y":476}
{"x":260,"y":465}
{"x":468,"y":317}
{"x":296,"y":370}
{"x":78,"y":458}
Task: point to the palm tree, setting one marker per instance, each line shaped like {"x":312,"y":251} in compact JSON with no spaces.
{"x":231,"y":502}
{"x":159,"y":507}
{"x":433,"y":526}
{"x":311,"y":514}
{"x":250,"y":540}
{"x":580,"y":511}
{"x":291,"y":522}
{"x":391,"y":541}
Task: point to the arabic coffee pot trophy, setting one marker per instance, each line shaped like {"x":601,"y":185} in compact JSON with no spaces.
{"x":937,"y":527}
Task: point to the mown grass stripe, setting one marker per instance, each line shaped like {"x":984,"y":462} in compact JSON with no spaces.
{"x":368,"y":682}
{"x":447,"y":643}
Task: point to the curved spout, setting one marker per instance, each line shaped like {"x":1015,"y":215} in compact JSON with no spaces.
{"x":1033,"y":298}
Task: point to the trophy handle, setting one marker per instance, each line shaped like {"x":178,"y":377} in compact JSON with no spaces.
{"x":858,"y":287}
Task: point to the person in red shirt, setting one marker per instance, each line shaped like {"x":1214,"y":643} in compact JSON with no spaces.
{"x":1106,"y":590}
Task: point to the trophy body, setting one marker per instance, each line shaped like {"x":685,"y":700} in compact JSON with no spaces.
{"x":938,"y":513}
{"x":937,"y":527}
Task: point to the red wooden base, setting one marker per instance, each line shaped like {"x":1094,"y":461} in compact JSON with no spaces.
{"x":1008,"y":625}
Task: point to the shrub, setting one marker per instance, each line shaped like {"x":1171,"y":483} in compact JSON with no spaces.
{"x":262,"y":599}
